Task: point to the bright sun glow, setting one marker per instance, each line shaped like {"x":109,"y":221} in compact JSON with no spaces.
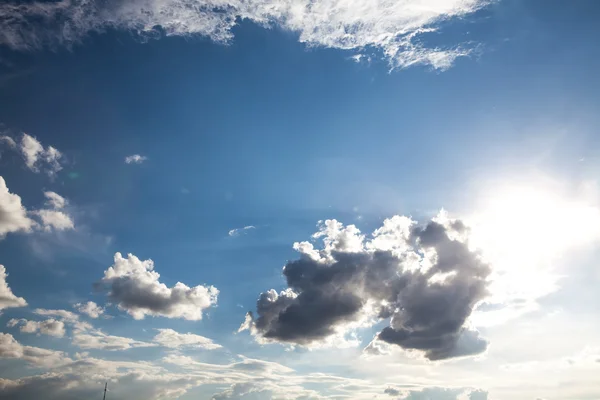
{"x":524,"y":232}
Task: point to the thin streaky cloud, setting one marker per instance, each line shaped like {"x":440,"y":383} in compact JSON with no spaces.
{"x":239,"y":231}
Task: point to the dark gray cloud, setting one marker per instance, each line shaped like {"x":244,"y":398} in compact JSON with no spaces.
{"x":427,"y":281}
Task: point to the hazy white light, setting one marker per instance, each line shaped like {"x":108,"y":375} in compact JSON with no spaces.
{"x":523,"y":231}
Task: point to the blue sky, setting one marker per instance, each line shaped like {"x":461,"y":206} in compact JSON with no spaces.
{"x":227,"y":140}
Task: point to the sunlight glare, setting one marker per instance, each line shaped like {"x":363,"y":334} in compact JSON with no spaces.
{"x":523,"y":231}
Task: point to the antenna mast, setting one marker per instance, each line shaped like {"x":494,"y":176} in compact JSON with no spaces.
{"x":105,"y":386}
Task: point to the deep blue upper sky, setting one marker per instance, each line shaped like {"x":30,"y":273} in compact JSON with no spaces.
{"x":269,"y":132}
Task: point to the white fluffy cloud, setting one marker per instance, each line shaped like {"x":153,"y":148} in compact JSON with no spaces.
{"x":37,"y":156}
{"x":55,"y":220}
{"x":135,"y":159}
{"x":135,"y":287}
{"x":173,"y":339}
{"x":13,"y":216}
{"x":49,"y":327}
{"x":34,"y":356}
{"x":7,"y":298}
{"x":55,"y":200}
{"x":90,"y":309}
{"x":395,"y":28}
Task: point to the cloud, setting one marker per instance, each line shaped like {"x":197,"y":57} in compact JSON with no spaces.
{"x":437,"y":393}
{"x":82,"y":376}
{"x":394,"y":29}
{"x":10,"y":142}
{"x":7,"y":298}
{"x":55,"y":200}
{"x":85,"y":336}
{"x":90,"y":309}
{"x":36,"y":155}
{"x":173,"y":339}
{"x":55,"y":220}
{"x":424,"y":279}
{"x":63,"y":314}
{"x":237,"y":390}
{"x":49,"y":327}
{"x":34,"y":356}
{"x":134,"y":286}
{"x":239,"y":231}
{"x":96,"y":339}
{"x":135,"y":159}
{"x":13,"y":216}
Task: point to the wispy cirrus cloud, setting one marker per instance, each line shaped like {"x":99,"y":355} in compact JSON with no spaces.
{"x":393,"y":28}
{"x":240,"y":231}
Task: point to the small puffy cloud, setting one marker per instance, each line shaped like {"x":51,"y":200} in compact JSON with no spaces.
{"x":396,"y":30}
{"x":55,"y":200}
{"x":7,"y":298}
{"x":13,"y":216}
{"x":55,"y":220}
{"x":49,"y":327}
{"x":36,"y":155}
{"x":173,"y":339}
{"x":135,"y":159}
{"x":239,"y":231}
{"x":134,"y":286}
{"x":90,"y":309}
{"x":423,"y":279}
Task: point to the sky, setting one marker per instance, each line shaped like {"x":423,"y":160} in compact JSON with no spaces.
{"x":310,"y":199}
